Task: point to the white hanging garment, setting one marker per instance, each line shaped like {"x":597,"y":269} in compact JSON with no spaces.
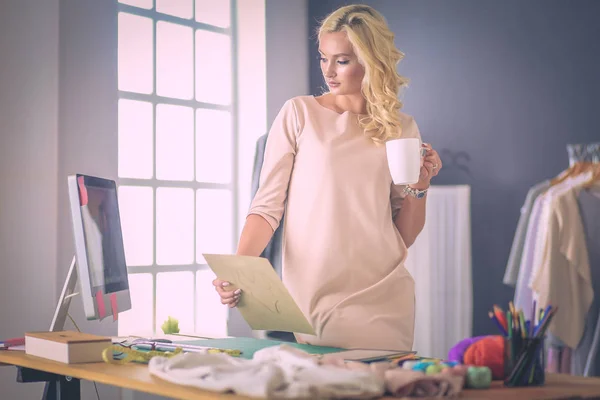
{"x":440,"y":263}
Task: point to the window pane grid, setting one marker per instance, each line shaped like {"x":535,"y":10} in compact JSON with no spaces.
{"x":123,"y":94}
{"x":201,"y":290}
{"x":152,"y":268}
{"x":157,"y":16}
{"x":154,"y":298}
{"x":196,"y":265}
{"x":194,"y":302}
{"x":234,"y":123}
{"x":174,"y":60}
{"x":174,"y":184}
{"x":179,"y":8}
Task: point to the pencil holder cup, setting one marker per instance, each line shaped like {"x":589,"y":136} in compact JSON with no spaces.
{"x":524,"y":362}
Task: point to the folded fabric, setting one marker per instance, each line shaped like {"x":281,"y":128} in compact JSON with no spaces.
{"x":457,"y":352}
{"x":280,"y":372}
{"x":487,"y":352}
{"x":401,"y":382}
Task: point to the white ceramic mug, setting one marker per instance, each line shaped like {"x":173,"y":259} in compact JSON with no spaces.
{"x":404,"y":160}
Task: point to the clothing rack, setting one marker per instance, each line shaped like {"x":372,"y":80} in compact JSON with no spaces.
{"x":583,"y":153}
{"x":540,"y":269}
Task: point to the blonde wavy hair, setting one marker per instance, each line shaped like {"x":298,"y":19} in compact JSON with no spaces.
{"x":373,"y":43}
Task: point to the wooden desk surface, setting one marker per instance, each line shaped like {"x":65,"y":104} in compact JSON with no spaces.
{"x":558,"y":386}
{"x":137,"y":377}
{"x":127,"y":376}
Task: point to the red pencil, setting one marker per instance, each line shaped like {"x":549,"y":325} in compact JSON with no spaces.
{"x":501,"y":317}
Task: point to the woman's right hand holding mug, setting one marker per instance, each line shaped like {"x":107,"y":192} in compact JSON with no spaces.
{"x":229,"y":297}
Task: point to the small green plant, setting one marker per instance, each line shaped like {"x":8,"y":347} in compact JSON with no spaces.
{"x":171,"y":325}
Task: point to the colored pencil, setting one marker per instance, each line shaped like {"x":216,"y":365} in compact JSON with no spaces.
{"x":500,"y":315}
{"x":525,"y":340}
{"x":522,"y":324}
{"x":498,"y":324}
{"x":532,"y":324}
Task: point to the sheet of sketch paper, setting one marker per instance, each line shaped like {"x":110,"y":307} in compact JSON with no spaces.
{"x":265,"y":304}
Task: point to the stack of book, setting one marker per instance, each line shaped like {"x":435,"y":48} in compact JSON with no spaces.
{"x":68,"y":347}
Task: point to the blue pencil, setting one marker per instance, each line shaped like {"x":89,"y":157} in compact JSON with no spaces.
{"x":545,"y":315}
{"x":532,"y":324}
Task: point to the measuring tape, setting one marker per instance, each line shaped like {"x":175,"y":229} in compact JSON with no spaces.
{"x":132,"y":355}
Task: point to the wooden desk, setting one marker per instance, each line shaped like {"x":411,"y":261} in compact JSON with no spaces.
{"x":137,"y":377}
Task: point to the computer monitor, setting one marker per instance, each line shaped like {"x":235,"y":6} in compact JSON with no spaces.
{"x":99,"y":261}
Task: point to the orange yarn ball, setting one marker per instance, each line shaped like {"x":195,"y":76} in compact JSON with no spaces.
{"x":487,"y":352}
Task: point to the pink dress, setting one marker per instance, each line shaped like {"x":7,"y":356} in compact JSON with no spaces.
{"x":343,"y":257}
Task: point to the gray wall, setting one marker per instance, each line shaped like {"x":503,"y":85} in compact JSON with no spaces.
{"x":87,"y":140}
{"x":287,"y":53}
{"x":508,"y":82}
{"x":57,"y":116}
{"x":28,"y":173}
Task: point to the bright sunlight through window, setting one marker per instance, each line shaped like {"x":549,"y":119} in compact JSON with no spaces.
{"x":177,"y":158}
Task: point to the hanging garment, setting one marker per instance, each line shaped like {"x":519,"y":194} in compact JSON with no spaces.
{"x":563,"y":278}
{"x":561,"y":357}
{"x":523,"y":296}
{"x":440,"y":262}
{"x":589,"y":206}
{"x":546,"y":255}
{"x":547,"y":209}
{"x":534,"y":243}
{"x":591,"y":367}
{"x":273,"y":250}
{"x":516,"y":252}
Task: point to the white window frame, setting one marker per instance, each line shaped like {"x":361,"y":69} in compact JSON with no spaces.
{"x":154,"y":183}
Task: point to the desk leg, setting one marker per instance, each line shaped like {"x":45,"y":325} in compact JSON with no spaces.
{"x":57,"y":387}
{"x":68,"y":388}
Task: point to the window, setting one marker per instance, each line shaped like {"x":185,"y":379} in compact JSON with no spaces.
{"x":177,"y":146}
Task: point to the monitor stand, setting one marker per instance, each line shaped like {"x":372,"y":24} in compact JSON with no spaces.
{"x":57,"y":386}
{"x":64,"y":301}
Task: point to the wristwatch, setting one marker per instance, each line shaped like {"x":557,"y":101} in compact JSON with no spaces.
{"x":416,"y":193}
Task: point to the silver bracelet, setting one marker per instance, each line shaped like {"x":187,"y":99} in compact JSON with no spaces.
{"x":416,"y":193}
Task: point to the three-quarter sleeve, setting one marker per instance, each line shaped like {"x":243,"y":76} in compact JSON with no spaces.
{"x":410,"y":129}
{"x":280,"y":150}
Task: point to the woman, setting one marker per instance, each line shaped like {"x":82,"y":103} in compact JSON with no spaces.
{"x":347,"y":226}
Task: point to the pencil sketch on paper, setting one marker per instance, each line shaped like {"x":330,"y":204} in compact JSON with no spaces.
{"x":247,"y":280}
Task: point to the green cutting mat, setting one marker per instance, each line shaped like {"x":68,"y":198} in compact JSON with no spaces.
{"x":249,"y":346}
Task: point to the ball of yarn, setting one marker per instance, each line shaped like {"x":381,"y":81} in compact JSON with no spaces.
{"x":457,"y":351}
{"x":421,"y":366}
{"x":487,"y":352}
{"x":450,"y":363}
{"x":433,"y":369}
{"x":409,"y":364}
{"x":478,"y":378}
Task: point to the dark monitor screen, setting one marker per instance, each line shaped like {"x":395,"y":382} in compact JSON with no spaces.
{"x":103,"y":234}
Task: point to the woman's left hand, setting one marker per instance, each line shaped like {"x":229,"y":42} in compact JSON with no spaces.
{"x":430,"y":168}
